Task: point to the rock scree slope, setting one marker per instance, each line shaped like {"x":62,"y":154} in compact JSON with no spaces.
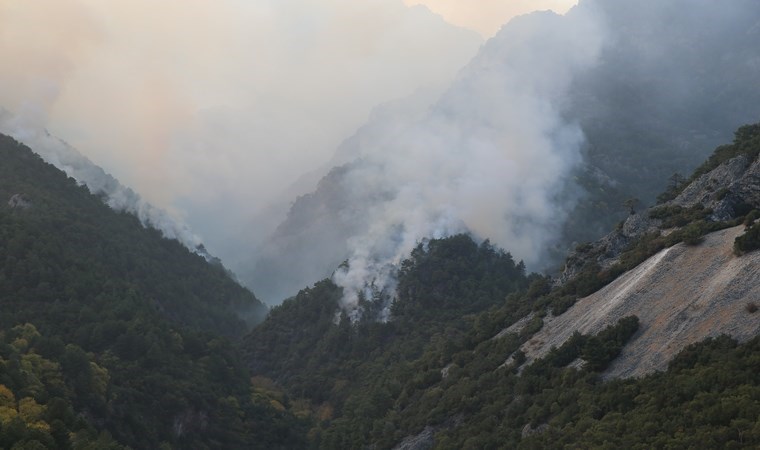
{"x":681,"y":295}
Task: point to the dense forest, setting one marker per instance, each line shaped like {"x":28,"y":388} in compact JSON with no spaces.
{"x":113,"y":335}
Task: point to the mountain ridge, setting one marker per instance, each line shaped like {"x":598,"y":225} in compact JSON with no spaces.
{"x":639,"y":129}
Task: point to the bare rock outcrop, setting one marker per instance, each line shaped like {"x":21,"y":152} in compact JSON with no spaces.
{"x":19,"y":201}
{"x":729,"y":190}
{"x":681,"y":295}
{"x":605,"y":251}
{"x":725,"y":190}
{"x":423,"y":441}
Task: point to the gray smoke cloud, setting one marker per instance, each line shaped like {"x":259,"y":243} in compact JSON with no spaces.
{"x":491,"y":158}
{"x":215,"y":108}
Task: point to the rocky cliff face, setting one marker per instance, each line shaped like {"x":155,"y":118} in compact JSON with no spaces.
{"x":729,"y":190}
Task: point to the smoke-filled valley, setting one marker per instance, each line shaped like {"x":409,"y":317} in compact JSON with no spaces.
{"x":555,"y":119}
{"x":537,"y":144}
{"x":386,"y":224}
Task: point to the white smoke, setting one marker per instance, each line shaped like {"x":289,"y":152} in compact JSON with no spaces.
{"x":492,"y":158}
{"x":56,"y":152}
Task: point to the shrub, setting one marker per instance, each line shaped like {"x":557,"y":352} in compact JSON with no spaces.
{"x":692,"y":234}
{"x":749,"y":241}
{"x":750,"y":218}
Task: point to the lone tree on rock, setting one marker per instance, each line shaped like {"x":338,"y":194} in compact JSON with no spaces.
{"x":631,"y":204}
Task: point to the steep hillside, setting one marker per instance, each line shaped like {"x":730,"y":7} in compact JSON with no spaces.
{"x":112,"y":334}
{"x":484,"y":361}
{"x":681,"y":295}
{"x":85,"y":172}
{"x":64,"y":233}
{"x":331,"y":364}
{"x":721,"y":286}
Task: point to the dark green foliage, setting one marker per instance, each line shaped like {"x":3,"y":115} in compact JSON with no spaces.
{"x":361,"y":371}
{"x":598,"y":351}
{"x":675,"y":186}
{"x":452,"y":277}
{"x":384,"y":381}
{"x":69,"y":245}
{"x":631,"y":204}
{"x":749,"y":241}
{"x":676,"y":216}
{"x":38,"y":393}
{"x":751,"y":217}
{"x":707,"y":399}
{"x":692,"y":233}
{"x":134,"y":326}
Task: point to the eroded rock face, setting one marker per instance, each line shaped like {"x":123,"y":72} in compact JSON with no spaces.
{"x":681,"y":296}
{"x":426,"y":438}
{"x":704,"y":190}
{"x":748,"y":187}
{"x":729,"y":190}
{"x":19,"y":201}
{"x":423,"y":441}
{"x":605,"y":252}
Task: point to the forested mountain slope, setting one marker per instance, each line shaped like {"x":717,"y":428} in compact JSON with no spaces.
{"x":463,"y":370}
{"x":65,"y":234}
{"x":111,"y":334}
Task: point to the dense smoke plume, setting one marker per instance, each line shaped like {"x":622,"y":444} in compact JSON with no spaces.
{"x":492,"y":157}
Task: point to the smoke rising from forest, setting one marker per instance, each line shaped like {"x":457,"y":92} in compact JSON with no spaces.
{"x":492,"y":158}
{"x":214,"y":108}
{"x":497,"y":154}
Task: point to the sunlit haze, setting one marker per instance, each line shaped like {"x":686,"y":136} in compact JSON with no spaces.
{"x":487,"y":16}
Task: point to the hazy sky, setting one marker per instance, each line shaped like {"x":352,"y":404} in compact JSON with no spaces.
{"x":487,"y":16}
{"x":167,"y":94}
{"x":214,"y":107}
